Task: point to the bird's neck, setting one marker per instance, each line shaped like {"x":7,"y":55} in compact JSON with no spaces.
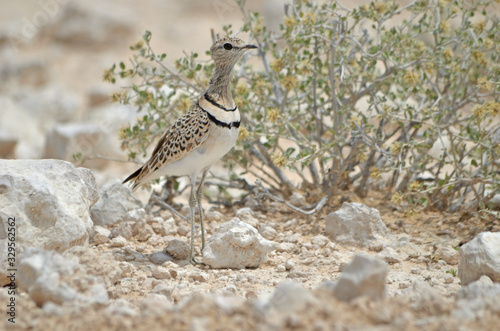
{"x":219,"y":88}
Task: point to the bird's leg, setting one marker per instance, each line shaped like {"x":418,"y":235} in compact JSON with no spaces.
{"x":199,"y":195}
{"x":192,"y":206}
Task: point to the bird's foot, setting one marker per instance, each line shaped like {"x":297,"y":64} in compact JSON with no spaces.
{"x":194,"y":261}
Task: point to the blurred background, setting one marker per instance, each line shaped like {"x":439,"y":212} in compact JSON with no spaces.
{"x":53,"y":101}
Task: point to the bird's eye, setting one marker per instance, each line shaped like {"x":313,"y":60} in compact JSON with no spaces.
{"x":228,"y":46}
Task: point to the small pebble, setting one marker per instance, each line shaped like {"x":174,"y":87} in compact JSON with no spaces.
{"x":161,"y":273}
{"x":183,"y":229}
{"x":285,"y":247}
{"x":403,"y":285}
{"x":118,"y":242}
{"x":416,"y":271}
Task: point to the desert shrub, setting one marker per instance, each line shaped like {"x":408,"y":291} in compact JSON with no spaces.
{"x":404,"y":100}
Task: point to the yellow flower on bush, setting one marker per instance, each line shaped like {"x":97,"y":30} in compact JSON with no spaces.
{"x":259,"y":26}
{"x":448,"y":54}
{"x":244,"y":134}
{"x":488,"y":44}
{"x":108,"y":76}
{"x":411,"y":77}
{"x":479,"y":57}
{"x":415,"y":186}
{"x":361,"y":157}
{"x":492,"y":108}
{"x":479,"y":27}
{"x":397,"y":198}
{"x":420,"y":46}
{"x":396,"y":147}
{"x":239,"y":100}
{"x":241,"y":88}
{"x":483,"y":85}
{"x":478,"y":110}
{"x":310,"y":18}
{"x":277,"y":64}
{"x":445,"y":26}
{"x":278,"y":160}
{"x":381,"y":7}
{"x":290,"y":22}
{"x":273,"y":114}
{"x":429,"y":68}
{"x":375,"y":173}
{"x":410,"y":212}
{"x":184,"y":102}
{"x":118,"y":96}
{"x":355,"y":121}
{"x":137,"y":45}
{"x":122,"y":133}
{"x":289,"y":82}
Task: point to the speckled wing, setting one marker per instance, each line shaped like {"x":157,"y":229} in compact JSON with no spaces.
{"x":186,"y":134}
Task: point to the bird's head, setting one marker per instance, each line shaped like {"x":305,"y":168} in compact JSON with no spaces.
{"x":227,"y":51}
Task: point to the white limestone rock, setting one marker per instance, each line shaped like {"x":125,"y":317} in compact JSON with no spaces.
{"x":236,"y":245}
{"x":30,"y":144}
{"x":113,"y":206}
{"x":480,"y":256}
{"x":320,"y":240}
{"x":363,"y":276}
{"x":49,"y":277}
{"x":288,"y":297}
{"x":477,"y":299}
{"x":101,"y":235}
{"x":356,"y":224}
{"x":122,"y":307}
{"x":448,"y":254}
{"x":50,"y":201}
{"x":248,"y":216}
{"x":65,"y":140}
{"x":177,"y":248}
{"x":424,"y":298}
{"x":118,"y":242}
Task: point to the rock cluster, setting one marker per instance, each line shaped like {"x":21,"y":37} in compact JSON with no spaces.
{"x":357,"y":225}
{"x":50,"y":201}
{"x":47,"y":276}
{"x":480,"y":257}
{"x":364,"y":276}
{"x":114,"y":204}
{"x":236,"y":244}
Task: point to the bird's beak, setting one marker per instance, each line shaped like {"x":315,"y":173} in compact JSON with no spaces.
{"x":250,"y":46}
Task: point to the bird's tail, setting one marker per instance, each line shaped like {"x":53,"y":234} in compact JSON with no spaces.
{"x":133,"y":178}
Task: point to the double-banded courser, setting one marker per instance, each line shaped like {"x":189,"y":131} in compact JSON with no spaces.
{"x":202,"y":136}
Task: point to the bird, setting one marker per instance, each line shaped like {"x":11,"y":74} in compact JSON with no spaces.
{"x":200,"y":137}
